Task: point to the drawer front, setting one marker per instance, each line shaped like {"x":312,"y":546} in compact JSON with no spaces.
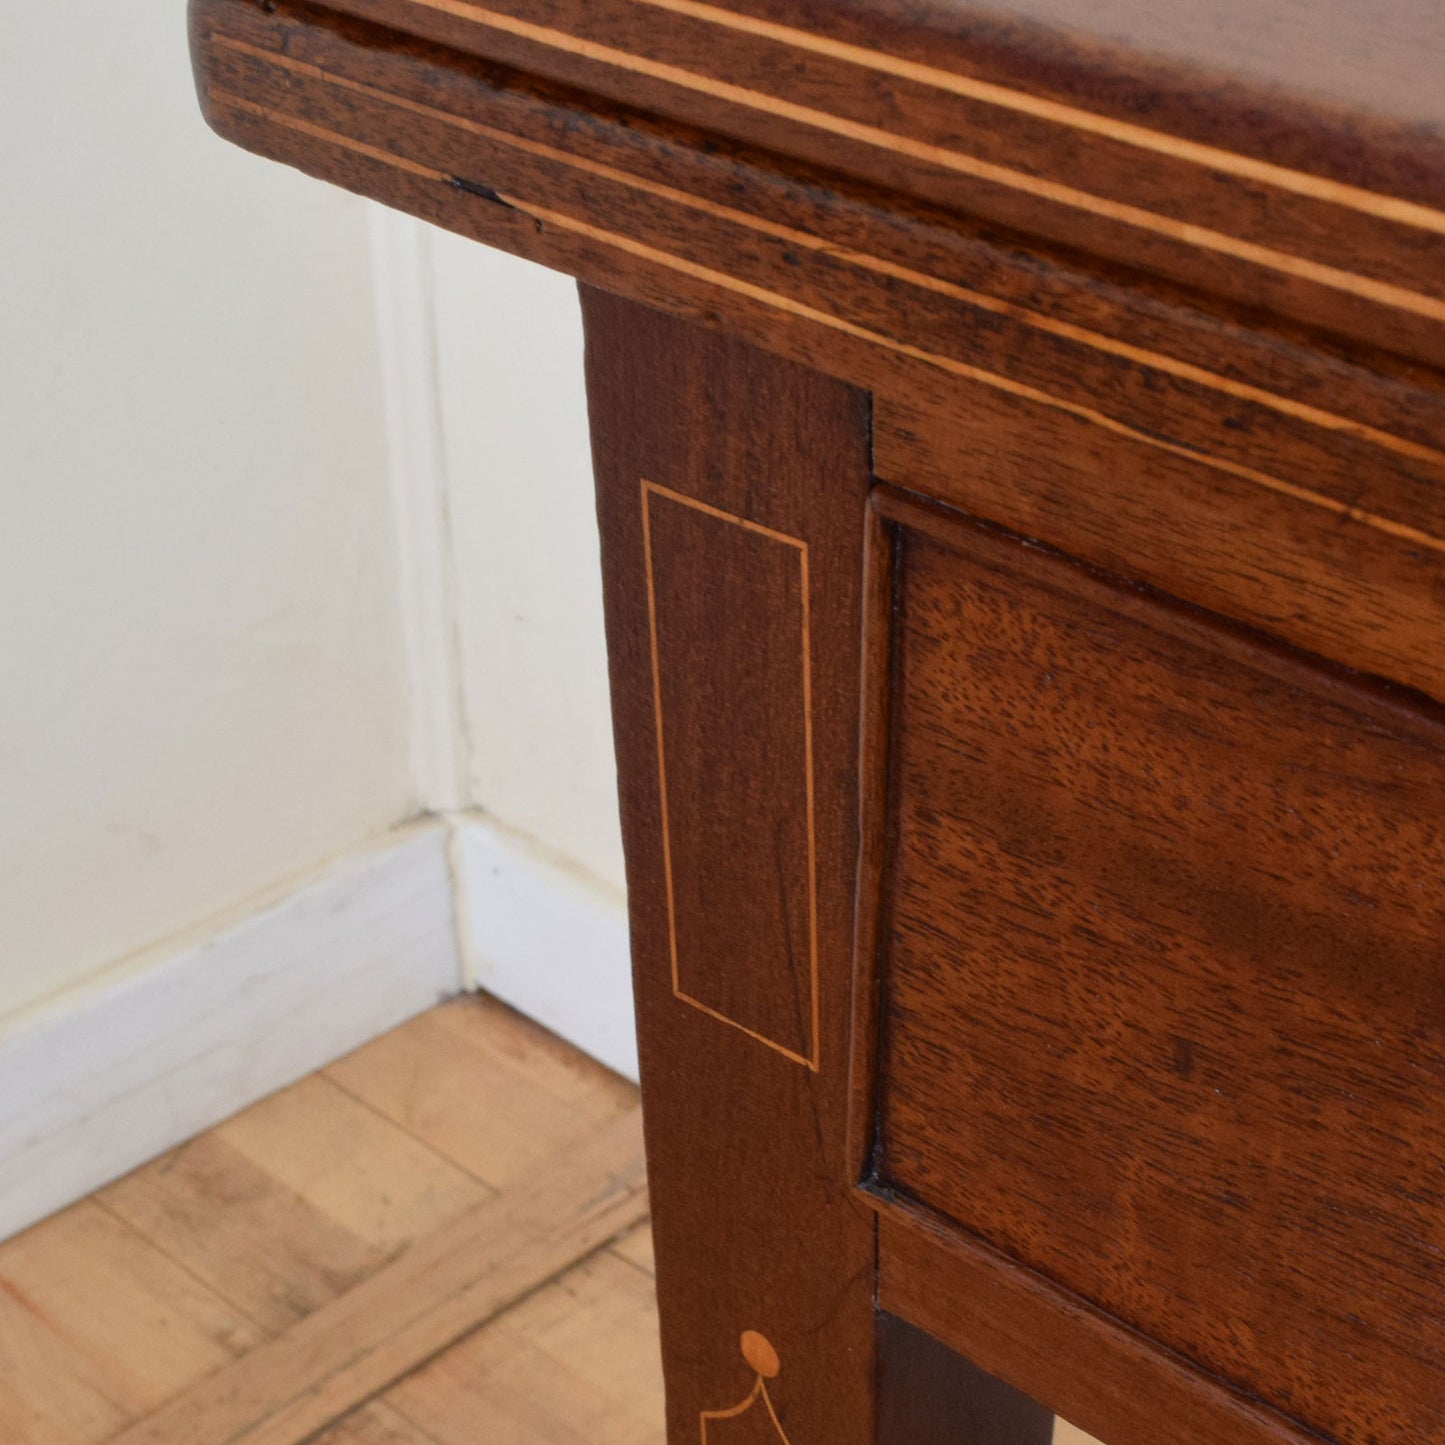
{"x":1162,"y":973}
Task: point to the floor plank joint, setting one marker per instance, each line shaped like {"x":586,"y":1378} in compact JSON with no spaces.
{"x":445,"y":1227}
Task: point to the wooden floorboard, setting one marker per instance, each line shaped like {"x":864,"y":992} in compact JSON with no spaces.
{"x":374,"y":1424}
{"x":293,"y":1202}
{"x":441,"y":1237}
{"x":98,"y":1327}
{"x":572,"y":1365}
{"x":636,"y":1249}
{"x":442,"y":1077}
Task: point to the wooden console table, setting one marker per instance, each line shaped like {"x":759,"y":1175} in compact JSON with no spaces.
{"x":1020,"y":442}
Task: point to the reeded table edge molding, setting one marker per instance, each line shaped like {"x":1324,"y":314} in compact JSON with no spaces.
{"x":1268,"y":233}
{"x":1313,"y":444}
{"x":1379,"y":204}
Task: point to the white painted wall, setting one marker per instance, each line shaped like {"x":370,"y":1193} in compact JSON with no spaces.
{"x":518,"y":466}
{"x":296,"y":543}
{"x":500,"y":558}
{"x":202,"y":680}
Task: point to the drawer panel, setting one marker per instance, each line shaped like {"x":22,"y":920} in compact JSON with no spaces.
{"x":1162,"y":970}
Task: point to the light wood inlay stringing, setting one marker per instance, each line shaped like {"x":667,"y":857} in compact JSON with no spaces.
{"x":1315,"y":416}
{"x":651,"y":490}
{"x":1252,"y":249}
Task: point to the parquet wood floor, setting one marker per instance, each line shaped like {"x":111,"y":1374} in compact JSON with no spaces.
{"x":438,"y":1240}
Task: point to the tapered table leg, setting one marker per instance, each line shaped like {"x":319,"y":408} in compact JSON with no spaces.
{"x":731,"y":493}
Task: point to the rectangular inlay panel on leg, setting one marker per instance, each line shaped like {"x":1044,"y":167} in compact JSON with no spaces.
{"x":1163,"y":994}
{"x":735,"y":764}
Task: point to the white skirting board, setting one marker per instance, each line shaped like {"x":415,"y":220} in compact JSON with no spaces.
{"x":102,"y":1080}
{"x":546,"y":938}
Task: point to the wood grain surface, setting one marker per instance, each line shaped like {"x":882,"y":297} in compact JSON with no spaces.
{"x":755,"y":1222}
{"x":438,"y":1079}
{"x":575,"y":1362}
{"x":1375,"y":59}
{"x":1124,"y":1388}
{"x":293,"y":1202}
{"x":1251,"y":226}
{"x":296,"y":1383}
{"x":1146,"y":1087}
{"x":1323,"y":573}
{"x":388,"y":115}
{"x":298,"y":1272}
{"x":1162,"y":1000}
{"x":735,"y":767}
{"x":1336,"y":91}
{"x":98,"y":1326}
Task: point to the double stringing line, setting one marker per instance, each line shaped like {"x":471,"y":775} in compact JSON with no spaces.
{"x":1185,"y":371}
{"x":1320,"y":188}
{"x":1204,"y":237}
{"x":773,"y":299}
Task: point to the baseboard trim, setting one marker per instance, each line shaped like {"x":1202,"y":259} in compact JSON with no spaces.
{"x":121,"y":1073}
{"x":547,"y":938}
